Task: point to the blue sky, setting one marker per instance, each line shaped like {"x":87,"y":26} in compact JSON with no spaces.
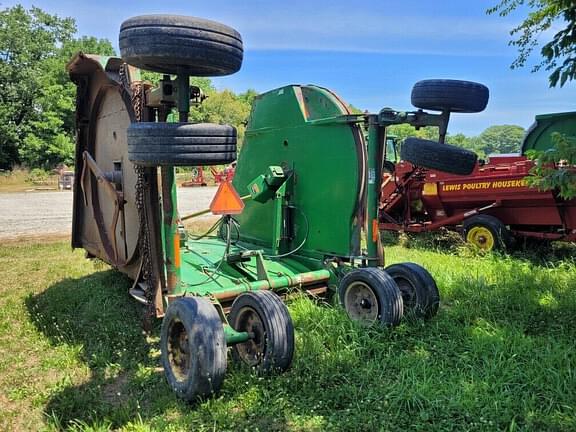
{"x":370,"y":54}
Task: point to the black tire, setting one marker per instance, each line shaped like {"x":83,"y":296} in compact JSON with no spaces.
{"x":193,"y":369}
{"x":420,"y":294}
{"x":450,"y":95}
{"x":388,"y":167}
{"x":153,"y":144}
{"x":265,"y":315}
{"x":487,"y":233}
{"x":173,"y":44}
{"x":369,"y":295}
{"x":441,"y":157}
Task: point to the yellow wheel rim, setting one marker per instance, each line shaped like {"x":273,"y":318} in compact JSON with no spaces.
{"x":481,"y":237}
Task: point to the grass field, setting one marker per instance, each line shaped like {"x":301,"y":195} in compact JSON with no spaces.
{"x":21,"y":180}
{"x":500,"y":355}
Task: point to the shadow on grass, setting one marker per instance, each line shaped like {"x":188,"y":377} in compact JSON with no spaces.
{"x":538,"y":252}
{"x":95,"y":315}
{"x":125,"y":383}
{"x":490,"y":344}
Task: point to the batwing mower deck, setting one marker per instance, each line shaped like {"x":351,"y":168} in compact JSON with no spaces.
{"x":308,"y":172}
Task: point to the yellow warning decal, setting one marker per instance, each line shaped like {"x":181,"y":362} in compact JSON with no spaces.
{"x":430,"y":189}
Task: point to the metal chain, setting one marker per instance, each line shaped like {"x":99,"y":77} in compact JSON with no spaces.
{"x":142,"y":188}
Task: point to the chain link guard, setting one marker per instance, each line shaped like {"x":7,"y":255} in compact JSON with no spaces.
{"x":150,"y":275}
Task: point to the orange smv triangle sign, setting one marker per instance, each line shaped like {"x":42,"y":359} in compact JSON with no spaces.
{"x":226,"y":201}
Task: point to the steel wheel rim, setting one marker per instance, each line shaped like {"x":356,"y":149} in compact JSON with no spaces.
{"x":126,"y":252}
{"x":481,"y":237}
{"x":178,"y":350}
{"x":408,"y":292}
{"x":361,"y":303}
{"x":252,"y":351}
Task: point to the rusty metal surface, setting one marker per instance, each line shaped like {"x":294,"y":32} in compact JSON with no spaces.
{"x":103,"y":112}
{"x":111,"y":114}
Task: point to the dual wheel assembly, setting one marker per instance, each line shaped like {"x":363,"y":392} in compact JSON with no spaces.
{"x":193,"y":342}
{"x":181,"y":46}
{"x":374,"y":295}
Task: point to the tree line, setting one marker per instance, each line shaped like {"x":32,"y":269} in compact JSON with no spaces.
{"x":37,"y":99}
{"x":499,"y":139}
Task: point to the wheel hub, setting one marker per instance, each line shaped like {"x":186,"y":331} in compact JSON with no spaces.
{"x":178,"y":350}
{"x":365,"y":304}
{"x":361,"y":303}
{"x":481,"y":237}
{"x":408,"y":292}
{"x":252,"y":351}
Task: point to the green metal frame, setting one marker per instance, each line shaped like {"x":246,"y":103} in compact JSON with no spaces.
{"x":540,"y":135}
{"x":310,"y":174}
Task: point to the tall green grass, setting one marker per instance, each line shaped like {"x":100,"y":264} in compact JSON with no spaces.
{"x":21,"y":179}
{"x":500,"y":354}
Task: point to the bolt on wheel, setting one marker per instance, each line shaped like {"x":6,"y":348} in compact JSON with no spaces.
{"x":361,"y":302}
{"x":486,"y":232}
{"x":265,"y":318}
{"x":193,"y":348}
{"x":369,"y":296}
{"x":252,"y":351}
{"x":481,"y":237}
{"x":178,"y":350}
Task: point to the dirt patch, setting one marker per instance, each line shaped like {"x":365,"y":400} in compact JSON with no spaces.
{"x":114,"y":391}
{"x":34,"y":238}
{"x":9,"y":419}
{"x":48,"y":215}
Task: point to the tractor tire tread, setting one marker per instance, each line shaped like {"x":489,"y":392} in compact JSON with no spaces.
{"x":278,"y":324}
{"x":154,"y":144}
{"x":426,"y":290}
{"x":174,"y":44}
{"x":440,"y":157}
{"x":385,"y":289}
{"x":208,"y":366}
{"x":450,"y":95}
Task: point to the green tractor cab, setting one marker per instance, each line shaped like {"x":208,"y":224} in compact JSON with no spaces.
{"x":301,"y":215}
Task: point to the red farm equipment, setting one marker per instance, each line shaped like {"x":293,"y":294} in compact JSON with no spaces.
{"x":225,"y":175}
{"x":196,"y":178}
{"x":220,"y":176}
{"x":491,"y":206}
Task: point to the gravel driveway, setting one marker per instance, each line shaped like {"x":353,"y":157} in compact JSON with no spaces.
{"x":39,"y":214}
